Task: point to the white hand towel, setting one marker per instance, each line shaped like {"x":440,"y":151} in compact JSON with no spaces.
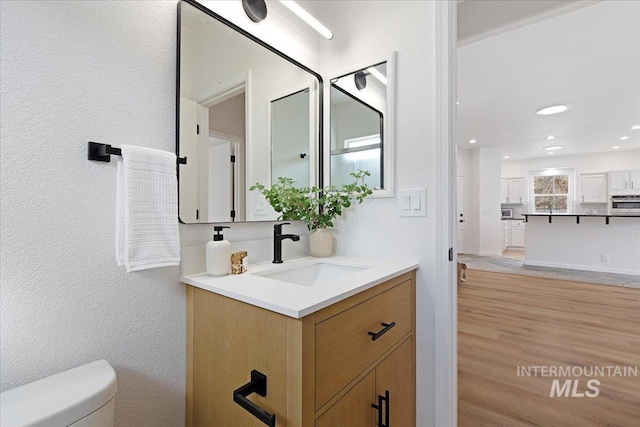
{"x":147,"y":209}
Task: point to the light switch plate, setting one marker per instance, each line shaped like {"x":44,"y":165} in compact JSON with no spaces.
{"x":412,"y":202}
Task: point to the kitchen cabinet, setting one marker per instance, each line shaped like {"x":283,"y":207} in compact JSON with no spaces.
{"x":517,"y":234}
{"x":325,"y":369}
{"x":624,"y":182}
{"x":512,"y":190}
{"x":593,"y":188}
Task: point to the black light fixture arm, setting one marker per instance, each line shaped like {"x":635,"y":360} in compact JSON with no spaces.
{"x":103,"y":152}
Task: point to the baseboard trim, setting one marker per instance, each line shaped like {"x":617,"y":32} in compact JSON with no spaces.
{"x":583,"y":267}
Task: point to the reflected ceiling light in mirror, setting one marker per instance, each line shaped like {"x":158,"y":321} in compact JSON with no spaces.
{"x":360,"y":80}
{"x":552,"y":109}
{"x":306,"y":17}
{"x":378,"y":75}
{"x":256,"y":10}
{"x":624,"y":138}
{"x":553,"y":147}
{"x":615,"y":147}
{"x":472,"y":141}
{"x":635,"y":127}
{"x":550,"y":137}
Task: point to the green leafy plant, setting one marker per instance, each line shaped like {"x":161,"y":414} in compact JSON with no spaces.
{"x":317,"y":207}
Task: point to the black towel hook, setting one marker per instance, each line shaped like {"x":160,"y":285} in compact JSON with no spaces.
{"x":103,"y":152}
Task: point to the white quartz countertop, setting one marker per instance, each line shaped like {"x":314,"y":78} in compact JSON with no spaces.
{"x":298,"y":301}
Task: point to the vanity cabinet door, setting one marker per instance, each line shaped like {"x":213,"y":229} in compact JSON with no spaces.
{"x":394,"y":375}
{"x":354,"y":409}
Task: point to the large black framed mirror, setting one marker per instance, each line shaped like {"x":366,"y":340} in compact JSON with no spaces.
{"x":245,"y":113}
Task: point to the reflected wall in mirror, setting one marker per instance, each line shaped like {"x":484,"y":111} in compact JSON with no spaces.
{"x":247,"y":113}
{"x":362,"y":126}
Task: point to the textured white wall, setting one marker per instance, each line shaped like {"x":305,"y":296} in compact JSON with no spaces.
{"x":74,"y":72}
{"x":374,"y":228}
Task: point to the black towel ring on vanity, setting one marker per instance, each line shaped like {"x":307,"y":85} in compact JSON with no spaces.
{"x":103,"y":152}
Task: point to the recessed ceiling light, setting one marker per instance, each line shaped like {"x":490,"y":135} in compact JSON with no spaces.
{"x":550,"y":152}
{"x":623,"y":138}
{"x":615,"y":147}
{"x":635,"y":127}
{"x":472,"y":141}
{"x":553,"y":109}
{"x":553,"y":147}
{"x":550,"y":137}
{"x":457,"y":102}
{"x":506,"y":157}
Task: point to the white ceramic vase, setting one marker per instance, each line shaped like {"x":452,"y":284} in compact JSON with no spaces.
{"x":321,"y":242}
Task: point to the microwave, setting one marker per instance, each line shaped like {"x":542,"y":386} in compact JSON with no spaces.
{"x":624,"y":205}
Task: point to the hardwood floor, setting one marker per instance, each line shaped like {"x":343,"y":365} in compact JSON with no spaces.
{"x":506,"y":321}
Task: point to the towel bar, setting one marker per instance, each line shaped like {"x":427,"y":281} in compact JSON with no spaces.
{"x":102,"y":153}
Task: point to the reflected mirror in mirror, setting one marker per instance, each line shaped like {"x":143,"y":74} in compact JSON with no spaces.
{"x":358,"y":117}
{"x":247,"y":113}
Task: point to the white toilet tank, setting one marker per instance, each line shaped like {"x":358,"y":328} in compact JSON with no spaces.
{"x":79,"y":397}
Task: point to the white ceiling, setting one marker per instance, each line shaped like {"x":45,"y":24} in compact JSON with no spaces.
{"x":588,"y":58}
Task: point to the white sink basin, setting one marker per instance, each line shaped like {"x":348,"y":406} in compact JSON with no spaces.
{"x":311,"y":274}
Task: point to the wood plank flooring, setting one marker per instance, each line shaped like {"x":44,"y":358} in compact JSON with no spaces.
{"x":506,"y":321}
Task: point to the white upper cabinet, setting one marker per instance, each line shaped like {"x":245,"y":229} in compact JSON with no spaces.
{"x":624,"y":182}
{"x":512,"y":190}
{"x":593,"y":188}
{"x":504,"y":190}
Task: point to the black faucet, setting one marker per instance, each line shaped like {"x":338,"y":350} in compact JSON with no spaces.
{"x":278,"y":237}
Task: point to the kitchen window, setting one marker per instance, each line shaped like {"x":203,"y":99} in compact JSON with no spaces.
{"x":552,"y":189}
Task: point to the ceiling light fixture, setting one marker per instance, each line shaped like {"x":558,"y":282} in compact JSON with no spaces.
{"x":506,"y":157}
{"x":472,"y":141}
{"x":552,"y":109}
{"x":623,"y":138}
{"x":306,"y":17}
{"x":550,"y":152}
{"x":256,"y":10}
{"x":635,"y":127}
{"x":553,"y":147}
{"x":550,"y":137}
{"x":377,"y":74}
{"x":615,"y":147}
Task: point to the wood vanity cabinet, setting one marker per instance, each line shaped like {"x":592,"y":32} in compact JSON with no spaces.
{"x":325,"y":369}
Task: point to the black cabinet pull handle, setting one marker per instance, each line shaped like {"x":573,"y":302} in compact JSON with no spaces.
{"x":387,"y":326}
{"x":383,"y":410}
{"x":258,"y":384}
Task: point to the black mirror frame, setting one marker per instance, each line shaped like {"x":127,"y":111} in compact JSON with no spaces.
{"x":320,"y":144}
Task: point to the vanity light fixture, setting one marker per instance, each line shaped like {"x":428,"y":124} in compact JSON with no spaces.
{"x":306,"y":17}
{"x":552,"y":109}
{"x":623,"y":138}
{"x":553,"y":147}
{"x":635,"y":127}
{"x":615,"y":147}
{"x":378,"y":75}
{"x":472,"y":141}
{"x":550,"y":137}
{"x":256,"y":10}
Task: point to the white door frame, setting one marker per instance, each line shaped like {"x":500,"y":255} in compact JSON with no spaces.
{"x":446,"y":322}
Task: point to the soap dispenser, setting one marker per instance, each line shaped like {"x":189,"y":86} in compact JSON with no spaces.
{"x":218,"y":254}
